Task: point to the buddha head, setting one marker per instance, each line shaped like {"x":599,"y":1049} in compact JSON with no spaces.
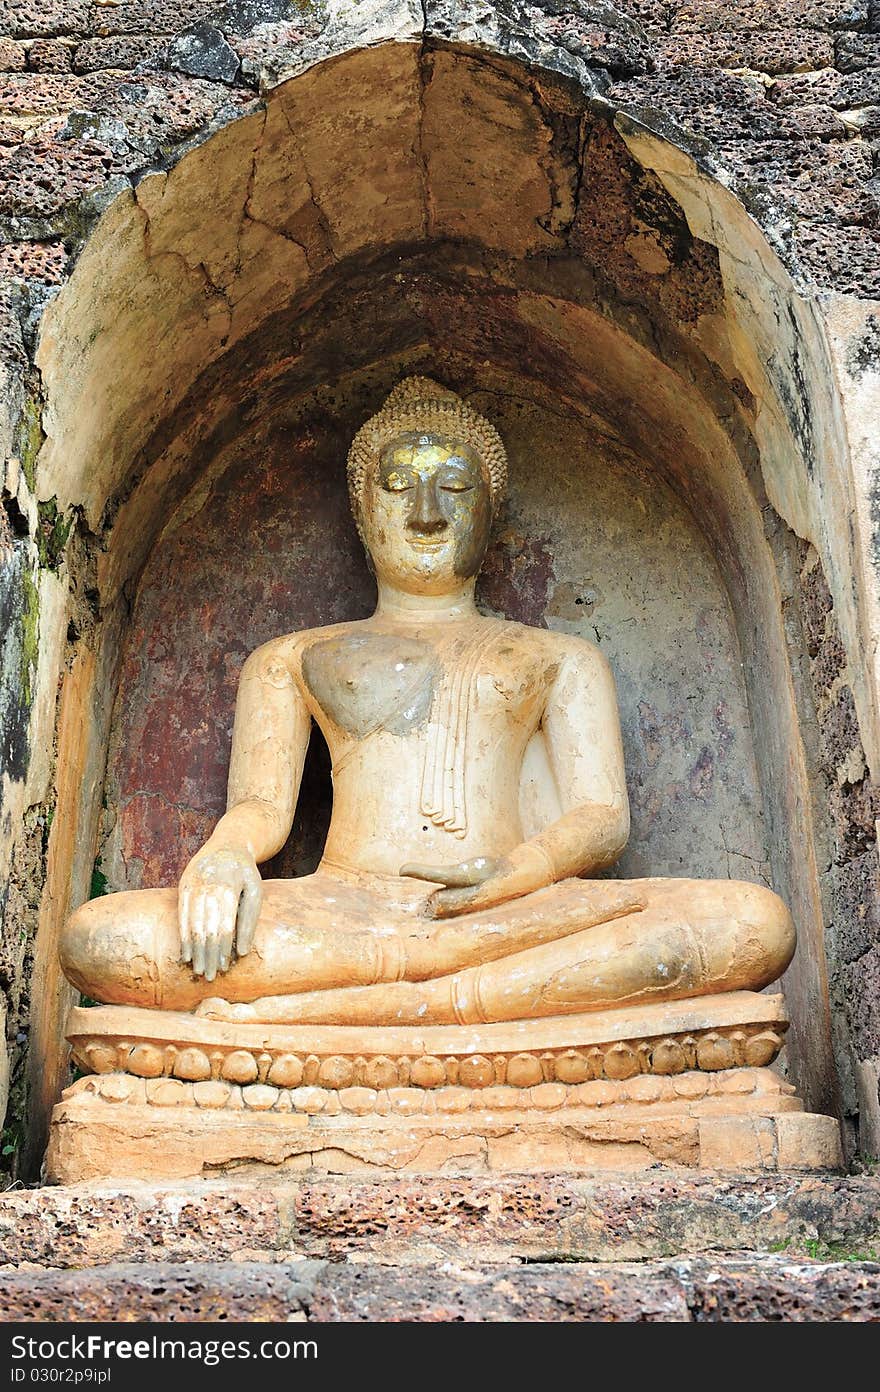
{"x":426,"y":476}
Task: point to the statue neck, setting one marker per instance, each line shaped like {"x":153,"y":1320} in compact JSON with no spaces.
{"x":403,"y":607}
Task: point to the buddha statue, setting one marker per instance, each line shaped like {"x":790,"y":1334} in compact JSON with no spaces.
{"x":478,"y":792}
{"x":456,"y":986}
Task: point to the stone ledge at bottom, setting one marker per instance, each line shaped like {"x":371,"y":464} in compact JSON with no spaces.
{"x":404,"y":1220}
{"x":93,"y":1139}
{"x":702,"y":1289}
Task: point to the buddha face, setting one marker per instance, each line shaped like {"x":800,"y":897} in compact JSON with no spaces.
{"x":427,"y":514}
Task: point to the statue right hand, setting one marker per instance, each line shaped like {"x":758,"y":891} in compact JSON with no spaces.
{"x":219,"y":902}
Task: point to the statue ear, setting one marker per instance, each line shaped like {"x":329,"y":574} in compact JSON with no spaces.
{"x":370,"y":567}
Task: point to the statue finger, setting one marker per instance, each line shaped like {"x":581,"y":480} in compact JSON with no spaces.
{"x":476,"y":871}
{"x":197,"y":927}
{"x":228,"y":912}
{"x":248,"y":914}
{"x":183,"y":910}
{"x":450,"y":876}
{"x":434,"y":874}
{"x":448,"y":903}
{"x":215,"y":1008}
{"x":460,"y":876}
{"x":212,"y":937}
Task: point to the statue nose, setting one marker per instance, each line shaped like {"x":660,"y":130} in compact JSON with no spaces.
{"x":426,"y":515}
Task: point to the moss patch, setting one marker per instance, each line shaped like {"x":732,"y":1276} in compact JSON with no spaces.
{"x":52,"y":534}
{"x":99,"y":882}
{"x":30,"y":437}
{"x":818,"y":1249}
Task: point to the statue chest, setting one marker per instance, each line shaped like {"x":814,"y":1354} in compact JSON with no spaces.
{"x":366,"y":682}
{"x":369,"y":682}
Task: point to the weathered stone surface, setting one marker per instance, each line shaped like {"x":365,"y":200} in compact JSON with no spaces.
{"x":843,"y":258}
{"x":4,"y":1061}
{"x":272,"y":49}
{"x":81,"y":18}
{"x":246,"y":1291}
{"x":776,"y":51}
{"x":120,"y":1127}
{"x":857,"y":905}
{"x":862,"y":982}
{"x":715,"y":107}
{"x":50,"y":55}
{"x":203,"y":52}
{"x":868,"y":1097}
{"x":643,"y":239}
{"x":600,"y":34}
{"x":703,"y":1290}
{"x":653,"y":15}
{"x":839,"y":185}
{"x":44,"y":261}
{"x":13,"y":56}
{"x":583,"y":41}
{"x":859,"y":89}
{"x":87,"y":132}
{"x":31,"y":18}
{"x":122,"y":51}
{"x":789,"y":39}
{"x":757,"y":15}
{"x":804,"y":89}
{"x":508,"y":1218}
{"x":853,"y":51}
{"x":780,"y":1290}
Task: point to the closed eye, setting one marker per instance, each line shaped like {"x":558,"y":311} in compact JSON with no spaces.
{"x":457,"y":487}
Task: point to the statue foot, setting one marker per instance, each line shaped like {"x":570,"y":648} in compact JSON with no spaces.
{"x":216,"y":1008}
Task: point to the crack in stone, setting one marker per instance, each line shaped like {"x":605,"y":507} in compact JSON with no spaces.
{"x":248,"y":216}
{"x":323,"y":220}
{"x":560,"y":163}
{"x":249,"y":190}
{"x":743,"y":855}
{"x":425,"y":77}
{"x":199,"y":269}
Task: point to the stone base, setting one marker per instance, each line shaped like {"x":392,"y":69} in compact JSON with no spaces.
{"x":116,"y":1126}
{"x":732,"y":1030}
{"x":681,"y":1083}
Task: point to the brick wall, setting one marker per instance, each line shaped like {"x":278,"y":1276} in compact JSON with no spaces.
{"x":785,"y":95}
{"x":852,"y":885}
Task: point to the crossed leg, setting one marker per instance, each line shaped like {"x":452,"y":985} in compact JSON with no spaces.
{"x":358,"y":950}
{"x":691,"y":938}
{"x":319,"y":932}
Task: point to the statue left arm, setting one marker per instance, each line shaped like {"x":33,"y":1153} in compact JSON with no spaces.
{"x":582,"y":733}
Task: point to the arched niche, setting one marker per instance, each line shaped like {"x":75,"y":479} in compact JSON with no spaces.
{"x":498,"y":227}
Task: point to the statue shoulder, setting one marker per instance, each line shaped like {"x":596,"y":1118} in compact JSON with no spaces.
{"x":286,"y":653}
{"x":579,"y":654}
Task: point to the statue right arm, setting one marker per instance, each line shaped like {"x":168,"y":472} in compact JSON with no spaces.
{"x":220,"y":890}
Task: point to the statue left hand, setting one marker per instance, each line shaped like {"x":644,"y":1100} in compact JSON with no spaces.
{"x":475,"y":884}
